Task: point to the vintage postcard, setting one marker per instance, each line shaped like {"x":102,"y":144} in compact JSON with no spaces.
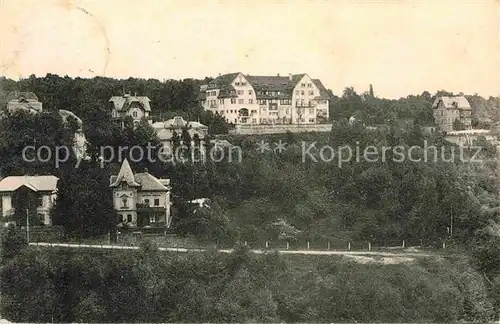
{"x":168,"y":161}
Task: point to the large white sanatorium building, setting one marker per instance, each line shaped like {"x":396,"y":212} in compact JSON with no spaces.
{"x":245,"y":99}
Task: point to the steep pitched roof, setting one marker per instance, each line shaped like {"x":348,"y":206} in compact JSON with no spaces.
{"x":126,"y":175}
{"x":149,"y":182}
{"x":222,"y":80}
{"x":271,"y":83}
{"x":122,"y":103}
{"x":283,"y":84}
{"x":459,"y":102}
{"x":35,"y":183}
{"x":323,"y":93}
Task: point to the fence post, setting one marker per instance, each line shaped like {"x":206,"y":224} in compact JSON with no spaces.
{"x":287,"y":246}
{"x":444,"y":245}
{"x":403,"y":244}
{"x":308,"y":245}
{"x":246,"y":243}
{"x":328,"y":245}
{"x":369,"y":246}
{"x":349,"y":246}
{"x":267,"y":244}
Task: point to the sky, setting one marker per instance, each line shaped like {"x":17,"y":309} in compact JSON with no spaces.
{"x":401,"y":47}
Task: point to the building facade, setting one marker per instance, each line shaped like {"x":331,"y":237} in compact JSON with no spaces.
{"x":446,"y":110}
{"x":172,"y":130}
{"x":32,"y":194}
{"x":141,"y":200}
{"x":245,"y":99}
{"x":23,"y":101}
{"x":136,"y":107}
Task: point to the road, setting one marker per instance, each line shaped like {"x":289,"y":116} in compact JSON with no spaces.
{"x":185,"y":250}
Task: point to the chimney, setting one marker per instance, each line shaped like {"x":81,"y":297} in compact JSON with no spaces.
{"x":220,"y":74}
{"x":290,"y":76}
{"x":278,"y":74}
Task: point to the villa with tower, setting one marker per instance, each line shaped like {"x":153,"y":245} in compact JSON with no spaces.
{"x":140,"y":199}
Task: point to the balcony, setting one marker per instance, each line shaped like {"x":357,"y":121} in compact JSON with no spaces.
{"x":146,"y":207}
{"x":300,"y":105}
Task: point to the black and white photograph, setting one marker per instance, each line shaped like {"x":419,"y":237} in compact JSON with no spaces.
{"x":249,"y":161}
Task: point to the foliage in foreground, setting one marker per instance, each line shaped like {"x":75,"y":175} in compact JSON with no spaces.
{"x":149,"y":286}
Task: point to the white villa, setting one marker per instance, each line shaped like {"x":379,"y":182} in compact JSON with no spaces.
{"x":33,"y":193}
{"x":140,"y":199}
{"x":137,"y":107}
{"x":245,"y":99}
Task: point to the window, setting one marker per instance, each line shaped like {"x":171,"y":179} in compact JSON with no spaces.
{"x":311,"y":111}
{"x":152,"y":219}
{"x":235,"y":120}
{"x":286,"y":111}
{"x":250,"y":92}
{"x":124,"y":218}
{"x":129,"y":218}
{"x":124,"y":202}
{"x":303,"y":85}
{"x":250,"y":101}
{"x":237,"y":84}
{"x":311,"y":120}
{"x":241,"y":101}
{"x":302,"y":92}
{"x":233,"y":101}
{"x":311,"y":93}
{"x":240,"y":92}
{"x":40,"y":201}
{"x":243,"y":83}
{"x":309,"y":85}
{"x":297,"y":92}
{"x":146,"y":202}
{"x":254,"y":120}
{"x":221,"y":101}
{"x":134,"y":113}
{"x":157,"y":202}
{"x":310,"y":103}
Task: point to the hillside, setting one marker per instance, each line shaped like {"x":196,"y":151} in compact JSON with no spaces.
{"x":484,"y":110}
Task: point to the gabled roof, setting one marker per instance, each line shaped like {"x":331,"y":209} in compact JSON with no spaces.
{"x":459,"y":102}
{"x":323,"y":93}
{"x":35,"y":183}
{"x":149,"y":182}
{"x":144,"y":180}
{"x":122,"y":103}
{"x":283,"y":84}
{"x":126,"y":175}
{"x":222,"y":80}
